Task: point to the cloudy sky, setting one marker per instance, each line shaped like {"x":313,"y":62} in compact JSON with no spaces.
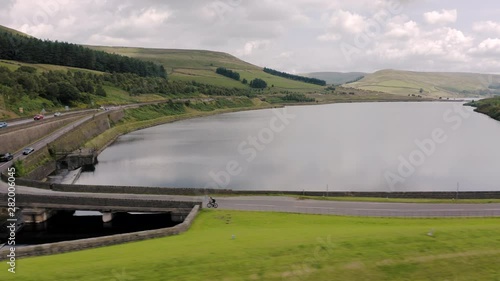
{"x":291,"y":35}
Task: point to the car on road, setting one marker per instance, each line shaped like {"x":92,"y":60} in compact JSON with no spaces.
{"x":28,"y":150}
{"x":38,"y":117}
{"x":57,"y":114}
{"x":6,"y":157}
{"x":3,"y":124}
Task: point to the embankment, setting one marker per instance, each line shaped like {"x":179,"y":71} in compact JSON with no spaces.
{"x":137,"y":119}
{"x":43,"y":162}
{"x":19,"y":137}
{"x":78,"y":245}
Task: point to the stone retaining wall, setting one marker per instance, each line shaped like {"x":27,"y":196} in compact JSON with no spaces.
{"x":77,"y":245}
{"x":18,"y":139}
{"x":31,"y":199}
{"x":201,"y":191}
{"x":137,"y":190}
{"x":27,"y":182}
{"x":80,"y":135}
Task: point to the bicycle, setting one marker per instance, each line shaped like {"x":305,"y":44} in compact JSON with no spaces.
{"x":212,"y":205}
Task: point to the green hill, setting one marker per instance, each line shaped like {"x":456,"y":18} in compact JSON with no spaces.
{"x":433,"y":84}
{"x":200,"y":66}
{"x":490,"y":107}
{"x":335,"y":78}
{"x":13,"y":31}
{"x":14,"y":65}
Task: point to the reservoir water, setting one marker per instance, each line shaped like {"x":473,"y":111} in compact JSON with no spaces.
{"x":340,"y":147}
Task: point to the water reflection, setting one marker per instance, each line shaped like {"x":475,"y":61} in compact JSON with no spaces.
{"x":349,"y":147}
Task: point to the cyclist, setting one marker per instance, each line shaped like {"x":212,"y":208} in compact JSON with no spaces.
{"x":212,"y":200}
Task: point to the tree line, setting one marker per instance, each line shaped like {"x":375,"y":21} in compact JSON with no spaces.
{"x":295,"y":77}
{"x":228,"y":73}
{"x":65,"y":88}
{"x":295,"y":97}
{"x":33,"y":50}
{"x":258,"y":83}
{"x":26,"y":86}
{"x":355,"y":80}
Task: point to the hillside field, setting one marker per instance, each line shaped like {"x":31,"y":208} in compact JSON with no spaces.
{"x":336,"y":78}
{"x":433,"y":84}
{"x":200,"y":66}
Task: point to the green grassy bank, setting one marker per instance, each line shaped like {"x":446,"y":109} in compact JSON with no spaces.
{"x":490,"y":107}
{"x":278,"y":246}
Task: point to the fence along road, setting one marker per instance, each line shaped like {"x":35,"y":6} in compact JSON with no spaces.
{"x":369,"y":209}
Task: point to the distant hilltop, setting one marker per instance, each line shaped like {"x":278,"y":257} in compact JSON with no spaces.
{"x":336,"y":78}
{"x":431,"y":84}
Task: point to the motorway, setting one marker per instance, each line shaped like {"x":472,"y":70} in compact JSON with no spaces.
{"x":50,"y":138}
{"x":49,"y":116}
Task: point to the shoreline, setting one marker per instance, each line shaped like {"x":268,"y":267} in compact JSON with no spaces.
{"x":136,"y":126}
{"x":174,"y":118}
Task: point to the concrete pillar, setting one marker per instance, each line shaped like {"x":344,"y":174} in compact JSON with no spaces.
{"x":107,"y":216}
{"x":37,"y":215}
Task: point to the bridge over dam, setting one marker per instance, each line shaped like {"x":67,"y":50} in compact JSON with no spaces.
{"x":39,"y":205}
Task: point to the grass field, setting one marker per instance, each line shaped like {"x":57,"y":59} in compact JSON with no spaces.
{"x":335,"y":78}
{"x":116,"y":96}
{"x":14,"y":65}
{"x":200,"y":66}
{"x":277,"y":246}
{"x":437,"y":84}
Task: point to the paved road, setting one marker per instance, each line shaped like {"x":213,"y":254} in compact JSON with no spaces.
{"x":48,"y":116}
{"x":294,"y":205}
{"x":50,"y":138}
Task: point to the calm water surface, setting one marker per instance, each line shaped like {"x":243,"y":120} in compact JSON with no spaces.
{"x":342,"y":147}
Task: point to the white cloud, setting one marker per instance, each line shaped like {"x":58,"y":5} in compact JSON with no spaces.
{"x":341,"y":22}
{"x":490,"y":46}
{"x":442,"y":44}
{"x":285,"y":55}
{"x":348,"y":21}
{"x":443,"y":17}
{"x":251,"y":46}
{"x":41,"y":30}
{"x":104,"y":40}
{"x":487,"y":27}
{"x":329,"y":37}
{"x":385,"y":33}
{"x":402,"y":31}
